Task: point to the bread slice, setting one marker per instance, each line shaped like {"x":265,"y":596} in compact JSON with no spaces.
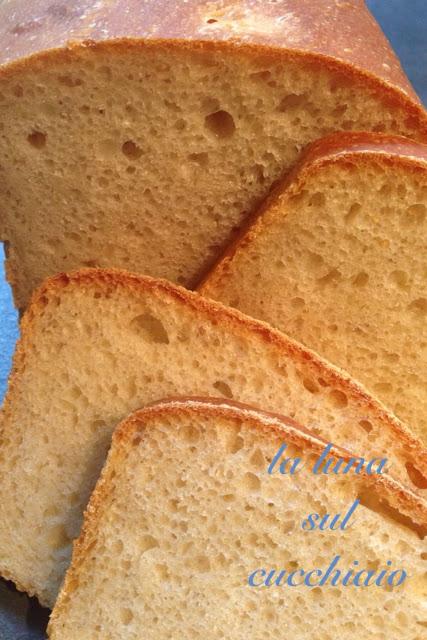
{"x":336,"y":259}
{"x":186,"y":511}
{"x":136,"y":139}
{"x":97,"y":345}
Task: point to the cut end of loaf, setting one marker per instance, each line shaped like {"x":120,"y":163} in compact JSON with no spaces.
{"x":140,"y":195}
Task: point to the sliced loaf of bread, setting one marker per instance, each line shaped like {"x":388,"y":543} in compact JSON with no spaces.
{"x":186,"y":511}
{"x":141,"y":136}
{"x":336,"y":258}
{"x":95,"y":346}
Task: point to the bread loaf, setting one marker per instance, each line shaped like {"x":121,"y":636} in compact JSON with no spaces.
{"x":186,"y":512}
{"x":336,"y":259}
{"x":141,"y":135}
{"x":96,"y":345}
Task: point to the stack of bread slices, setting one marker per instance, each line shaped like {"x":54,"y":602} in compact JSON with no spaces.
{"x":267,"y":161}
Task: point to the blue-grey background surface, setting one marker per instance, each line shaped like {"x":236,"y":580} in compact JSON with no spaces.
{"x":405,"y":24}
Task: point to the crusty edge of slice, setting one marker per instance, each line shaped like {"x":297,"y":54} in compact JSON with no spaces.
{"x":343,"y":148}
{"x":214,"y":312}
{"x":130,"y":432}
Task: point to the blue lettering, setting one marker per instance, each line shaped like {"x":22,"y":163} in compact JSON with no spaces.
{"x":382,"y":574}
{"x":347,"y":517}
{"x":359,"y":574}
{"x":293,"y":463}
{"x":291,"y":575}
{"x":310,"y":522}
{"x":402,"y":578}
{"x":308,"y":576}
{"x":251,"y":579}
{"x":382,"y":464}
{"x":329,"y":571}
{"x":321,"y":459}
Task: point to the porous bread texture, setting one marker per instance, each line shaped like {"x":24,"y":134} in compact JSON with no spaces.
{"x":109,"y":151}
{"x":337,"y":261}
{"x":185,"y":511}
{"x":97,"y":345}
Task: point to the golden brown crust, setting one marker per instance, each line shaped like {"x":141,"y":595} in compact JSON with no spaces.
{"x":216,"y":313}
{"x":337,"y":148}
{"x":396,"y":148}
{"x":386,"y":488}
{"x":340,"y":36}
{"x":342,"y":30}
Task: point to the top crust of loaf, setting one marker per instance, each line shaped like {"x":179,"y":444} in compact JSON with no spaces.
{"x":98,"y":279}
{"x":340,"y":36}
{"x":338,"y":148}
{"x":131,"y":433}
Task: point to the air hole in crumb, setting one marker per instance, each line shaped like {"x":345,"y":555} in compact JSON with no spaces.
{"x":251,"y":482}
{"x":191,"y":434}
{"x":361,"y":279}
{"x":292,"y":101}
{"x":353,"y":212}
{"x":98,"y":425}
{"x":91,"y":263}
{"x":317,"y":199}
{"x":366,"y":425}
{"x":202,"y":564}
{"x":221,"y":124}
{"x":152,"y":328}
{"x":118,"y":547}
{"x":162,"y":571}
{"x":332,"y":276}
{"x":340,"y":110}
{"x":131,"y":150}
{"x":297,"y":303}
{"x":257,"y":459}
{"x":310,"y":385}
{"x":211,"y":21}
{"x":235,"y":443}
{"x":383,"y":387}
{"x":419,"y":306}
{"x":148,"y":542}
{"x":338,"y":399}
{"x":418,"y":479}
{"x":223,"y":388}
{"x":69,"y":81}
{"x":258,"y":172}
{"x":229,"y":497}
{"x":37,"y":139}
{"x":400,"y":278}
{"x":314,"y":260}
{"x":200,"y":158}
{"x":126,"y":616}
{"x":57,"y":537}
{"x":288,"y":526}
{"x":416,"y":213}
{"x":261,"y":75}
